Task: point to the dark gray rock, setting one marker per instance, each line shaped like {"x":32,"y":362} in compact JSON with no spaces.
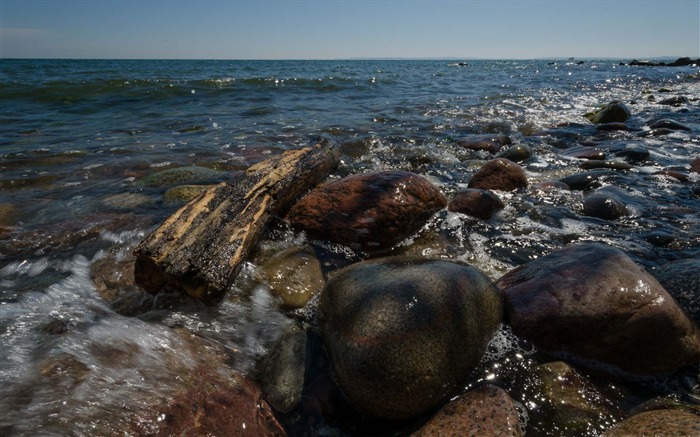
{"x":666,"y":123}
{"x":613,"y":112}
{"x":607,"y":203}
{"x":682,"y":280}
{"x":282,"y":371}
{"x":402,"y":334}
{"x":517,"y":153}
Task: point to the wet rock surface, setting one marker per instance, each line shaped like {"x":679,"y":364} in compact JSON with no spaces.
{"x":371,"y":211}
{"x":402,"y":334}
{"x":282,"y":371}
{"x":477,"y":203}
{"x":295,"y":276}
{"x":499,"y":174}
{"x":682,"y":281}
{"x":554,"y":300}
{"x":484,"y":411}
{"x":657,"y":423}
{"x":614,"y":112}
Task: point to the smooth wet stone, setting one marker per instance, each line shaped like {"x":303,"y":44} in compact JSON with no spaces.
{"x":113,"y":277}
{"x":402,"y":334}
{"x":586,"y":181}
{"x":371,"y":211}
{"x":695,"y":165}
{"x":551,"y":185}
{"x":631,"y":153}
{"x":554,"y":301}
{"x":566,"y":403}
{"x":282,"y":371}
{"x":607,"y":203}
{"x":615,"y":165}
{"x":184,"y":193}
{"x":607,"y":127}
{"x":666,"y":403}
{"x":182,"y":176}
{"x":681,"y":177}
{"x":295,"y":276}
{"x":489,"y":143}
{"x":614,"y":112}
{"x":517,"y":153}
{"x":583,"y":152}
{"x":499,"y":174}
{"x":127,"y":201}
{"x":477,"y":203}
{"x":657,"y":423}
{"x":486,"y":411}
{"x":682,"y":281}
{"x":675,"y":101}
{"x":666,"y":123}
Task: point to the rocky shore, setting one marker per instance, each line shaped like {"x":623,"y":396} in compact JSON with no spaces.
{"x":388,"y":342}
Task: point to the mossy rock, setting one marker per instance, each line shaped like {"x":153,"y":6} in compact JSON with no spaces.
{"x":184,"y":193}
{"x":613,"y":112}
{"x":183,"y":175}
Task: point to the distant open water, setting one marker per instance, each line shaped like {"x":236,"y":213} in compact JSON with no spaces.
{"x":77,"y":134}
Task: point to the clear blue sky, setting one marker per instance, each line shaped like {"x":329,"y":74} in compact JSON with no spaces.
{"x":329,"y":29}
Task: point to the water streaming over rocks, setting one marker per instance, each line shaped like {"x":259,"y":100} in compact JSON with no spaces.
{"x":88,"y":150}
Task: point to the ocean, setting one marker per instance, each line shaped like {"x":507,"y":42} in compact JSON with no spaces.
{"x":83,"y":144}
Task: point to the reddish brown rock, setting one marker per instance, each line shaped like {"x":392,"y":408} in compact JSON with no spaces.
{"x":371,"y":211}
{"x":489,"y":143}
{"x":657,"y":423}
{"x":554,"y":301}
{"x":695,"y":166}
{"x":476,"y":203}
{"x":499,"y":174}
{"x":482,"y":412}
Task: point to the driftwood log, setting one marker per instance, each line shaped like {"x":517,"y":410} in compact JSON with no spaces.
{"x":201,"y":247}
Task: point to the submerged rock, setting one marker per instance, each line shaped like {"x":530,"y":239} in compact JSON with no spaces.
{"x":517,"y":153}
{"x":402,"y":334}
{"x":657,"y":423}
{"x":489,"y":143}
{"x":682,"y":280}
{"x":666,"y":123}
{"x":499,"y":174}
{"x":184,"y":193}
{"x":606,"y":203}
{"x":695,"y":165}
{"x":675,"y":101}
{"x":183,"y":175}
{"x":371,"y":211}
{"x":555,"y":300}
{"x":127,"y":201}
{"x":282,"y":371}
{"x":481,"y":204}
{"x":567,"y":403}
{"x":614,"y":112}
{"x":295,"y":276}
{"x":486,"y":411}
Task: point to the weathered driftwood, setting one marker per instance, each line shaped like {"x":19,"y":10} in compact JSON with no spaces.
{"x":201,"y":247}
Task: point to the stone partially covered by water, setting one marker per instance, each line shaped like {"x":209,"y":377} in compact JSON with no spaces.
{"x":371,"y":211}
{"x":282,"y":371}
{"x":556,"y":300}
{"x":682,"y":280}
{"x":486,"y":411}
{"x":183,"y":175}
{"x":613,"y":112}
{"x":294,"y":276}
{"x":499,"y":174}
{"x":607,"y":203}
{"x":477,"y":203}
{"x":402,"y":334}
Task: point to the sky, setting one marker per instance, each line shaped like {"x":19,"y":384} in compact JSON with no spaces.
{"x":342,"y":29}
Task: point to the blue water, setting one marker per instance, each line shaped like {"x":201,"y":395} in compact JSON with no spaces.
{"x":76,"y":133}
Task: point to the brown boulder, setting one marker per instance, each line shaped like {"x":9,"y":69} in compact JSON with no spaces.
{"x":294,"y":275}
{"x":556,"y":301}
{"x":695,"y":165}
{"x":489,"y":143}
{"x":371,"y":211}
{"x":477,"y":203}
{"x":499,"y":174}
{"x":482,"y":412}
{"x":657,"y":423}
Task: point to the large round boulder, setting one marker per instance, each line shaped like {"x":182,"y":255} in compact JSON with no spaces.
{"x":594,"y":302}
{"x":371,"y":211}
{"x":402,"y":334}
{"x":613,"y":112}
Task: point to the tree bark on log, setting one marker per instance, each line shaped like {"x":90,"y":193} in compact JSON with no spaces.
{"x":201,"y":247}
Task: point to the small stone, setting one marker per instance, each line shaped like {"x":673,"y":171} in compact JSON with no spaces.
{"x":612,"y":127}
{"x":675,"y":101}
{"x":614,"y":112}
{"x":489,"y":143}
{"x":666,"y":123}
{"x":295,"y":276}
{"x":682,"y":177}
{"x":631,"y":153}
{"x":605,"y":203}
{"x":486,"y":411}
{"x":127,"y":201}
{"x":583,"y":152}
{"x":517,"y":153}
{"x":615,"y":165}
{"x":695,"y":165}
{"x":499,"y":174}
{"x":477,"y":203}
{"x":586,"y":181}
{"x":282,"y":372}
